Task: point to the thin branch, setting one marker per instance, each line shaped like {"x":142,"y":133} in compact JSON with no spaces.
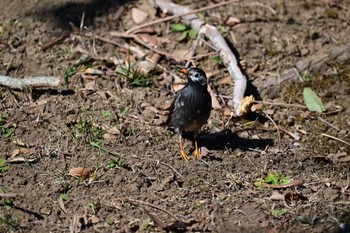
{"x":335,"y":138}
{"x":280,"y":104}
{"x":151,"y":205}
{"x":329,"y":124}
{"x":34,"y":82}
{"x":179,"y":15}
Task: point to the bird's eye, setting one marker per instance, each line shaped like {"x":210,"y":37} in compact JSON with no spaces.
{"x":196,"y":75}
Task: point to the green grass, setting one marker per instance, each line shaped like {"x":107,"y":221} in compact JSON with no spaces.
{"x":133,"y":75}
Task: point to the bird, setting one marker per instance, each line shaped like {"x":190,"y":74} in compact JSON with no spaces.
{"x":191,"y":107}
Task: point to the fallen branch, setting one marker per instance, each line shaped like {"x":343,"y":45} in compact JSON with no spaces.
{"x":219,"y":44}
{"x":271,"y":86}
{"x":33,"y":82}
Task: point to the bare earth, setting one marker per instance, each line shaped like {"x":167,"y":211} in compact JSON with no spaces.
{"x":137,"y":180}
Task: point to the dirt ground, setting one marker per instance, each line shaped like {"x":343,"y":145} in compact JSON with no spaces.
{"x":136,"y":180}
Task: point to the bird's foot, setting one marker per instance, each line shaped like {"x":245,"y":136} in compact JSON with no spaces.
{"x":184,"y":155}
{"x":197,"y":153}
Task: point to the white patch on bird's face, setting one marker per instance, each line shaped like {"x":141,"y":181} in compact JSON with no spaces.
{"x":196,"y":77}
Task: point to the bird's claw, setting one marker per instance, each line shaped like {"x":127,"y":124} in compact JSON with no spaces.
{"x":197,"y":153}
{"x":184,"y":155}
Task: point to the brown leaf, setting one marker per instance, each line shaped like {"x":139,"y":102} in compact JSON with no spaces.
{"x":226,"y":80}
{"x":138,"y":15}
{"x":109,"y":137}
{"x":79,"y":172}
{"x":148,"y":106}
{"x":276,"y":196}
{"x":153,"y":40}
{"x":294,"y":198}
{"x":26,"y":151}
{"x":246,"y":105}
{"x":340,"y":157}
{"x":214,"y":101}
{"x":252,"y":70}
{"x":256,"y":107}
{"x":230,"y":21}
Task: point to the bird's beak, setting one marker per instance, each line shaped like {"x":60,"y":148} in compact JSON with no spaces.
{"x":184,"y":71}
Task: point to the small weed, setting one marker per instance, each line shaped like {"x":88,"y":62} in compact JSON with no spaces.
{"x":8,"y":223}
{"x":64,"y":197}
{"x":224,"y":200}
{"x":272,"y":178}
{"x":106,"y":113}
{"x":7,"y":132}
{"x":116,"y":162}
{"x":133,"y":75}
{"x":186,"y":32}
{"x":8,"y":203}
{"x":3,"y":166}
{"x":146,"y":223}
{"x":310,"y":219}
{"x":278,"y":213}
{"x":94,"y":206}
{"x":86,"y":130}
{"x":72,"y":70}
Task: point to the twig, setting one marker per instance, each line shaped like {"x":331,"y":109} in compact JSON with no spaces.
{"x":338,"y":139}
{"x":295,"y":137}
{"x":280,"y":104}
{"x":219,"y":43}
{"x":8,"y":195}
{"x":329,"y":124}
{"x":35,"y":82}
{"x":167,"y":165}
{"x":154,"y":206}
{"x":179,"y":15}
{"x":273,"y":122}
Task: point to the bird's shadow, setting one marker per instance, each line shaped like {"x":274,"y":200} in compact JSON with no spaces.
{"x":225,"y":140}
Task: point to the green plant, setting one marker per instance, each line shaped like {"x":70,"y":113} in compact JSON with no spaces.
{"x":277,"y":213}
{"x":133,"y":75}
{"x":272,"y":178}
{"x":186,"y":32}
{"x":72,"y":70}
{"x":86,"y":129}
{"x":309,"y":219}
{"x":3,"y":166}
{"x":8,"y":223}
{"x":7,"y":132}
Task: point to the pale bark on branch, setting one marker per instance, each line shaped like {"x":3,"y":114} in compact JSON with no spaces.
{"x":219,"y":43}
{"x":29,"y":82}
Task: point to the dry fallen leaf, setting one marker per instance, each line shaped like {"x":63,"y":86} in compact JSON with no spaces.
{"x":26,"y":151}
{"x":276,"y":196}
{"x":148,"y":106}
{"x":230,"y":21}
{"x":293,"y":198}
{"x":214,"y":101}
{"x":79,"y":172}
{"x":246,"y":105}
{"x":138,"y":15}
{"x":340,"y":157}
{"x":226,"y":80}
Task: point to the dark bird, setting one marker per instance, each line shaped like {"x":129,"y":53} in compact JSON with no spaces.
{"x":191,"y":107}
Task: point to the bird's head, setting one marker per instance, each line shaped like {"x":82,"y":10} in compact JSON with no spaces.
{"x":195,"y":75}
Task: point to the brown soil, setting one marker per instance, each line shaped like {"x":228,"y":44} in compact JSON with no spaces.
{"x":137,"y":180}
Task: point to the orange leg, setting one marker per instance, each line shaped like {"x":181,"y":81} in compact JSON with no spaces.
{"x":196,"y":151}
{"x":183,"y":153}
